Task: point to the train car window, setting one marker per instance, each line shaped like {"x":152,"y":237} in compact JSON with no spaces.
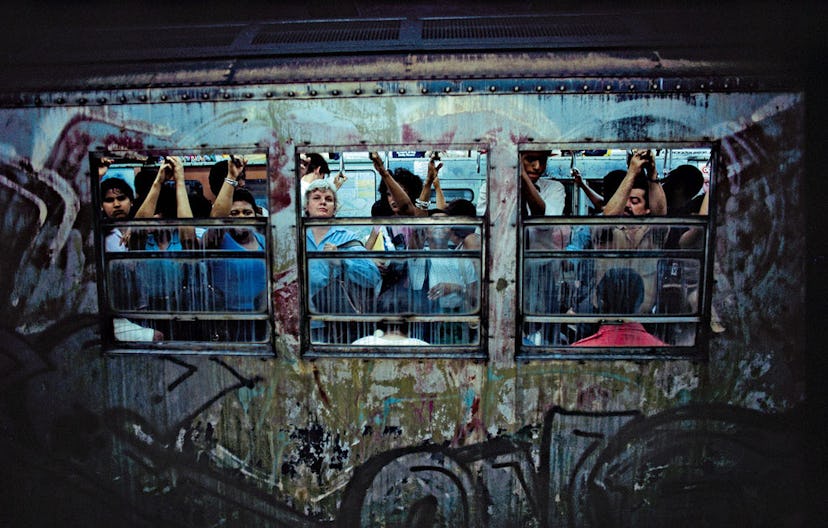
{"x":183,"y":251}
{"x":616,"y":246}
{"x":393,"y":247}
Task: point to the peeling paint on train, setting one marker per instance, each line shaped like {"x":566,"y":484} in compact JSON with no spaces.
{"x":283,"y":441}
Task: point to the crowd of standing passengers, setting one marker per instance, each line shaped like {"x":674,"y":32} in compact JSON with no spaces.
{"x":398,"y":286}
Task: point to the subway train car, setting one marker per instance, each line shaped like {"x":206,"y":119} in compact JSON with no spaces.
{"x":408,"y":270}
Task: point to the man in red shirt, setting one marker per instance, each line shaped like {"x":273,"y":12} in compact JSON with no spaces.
{"x":620,"y":292}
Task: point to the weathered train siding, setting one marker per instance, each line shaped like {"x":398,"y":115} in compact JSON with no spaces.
{"x":281,"y":441}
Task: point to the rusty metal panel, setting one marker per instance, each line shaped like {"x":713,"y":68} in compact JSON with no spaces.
{"x":288,"y":442}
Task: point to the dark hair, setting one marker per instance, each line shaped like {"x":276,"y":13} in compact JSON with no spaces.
{"x":143,"y":181}
{"x":680,"y":186}
{"x":642,"y":182}
{"x":384,"y":324}
{"x":461,"y":207}
{"x":610,"y":183}
{"x":381,"y":208}
{"x":167,"y":203}
{"x":198,"y":203}
{"x":315,"y":161}
{"x":412,"y":183}
{"x":544,"y":154}
{"x":218,"y":172}
{"x":621,"y":290}
{"x":117,"y":183}
{"x":243,"y":195}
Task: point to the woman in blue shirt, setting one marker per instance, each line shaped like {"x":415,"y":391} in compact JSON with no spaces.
{"x":344,"y":285}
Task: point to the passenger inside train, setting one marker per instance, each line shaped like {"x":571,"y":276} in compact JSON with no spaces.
{"x":620,"y":291}
{"x":117,"y":198}
{"x":568,"y":285}
{"x":341,"y":285}
{"x":237,"y":284}
{"x":162,"y":279}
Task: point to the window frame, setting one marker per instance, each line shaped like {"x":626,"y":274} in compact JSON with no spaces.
{"x":310,"y":350}
{"x":701,"y":318}
{"x":107,"y":313}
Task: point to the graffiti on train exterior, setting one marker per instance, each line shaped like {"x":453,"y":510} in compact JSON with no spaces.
{"x":149,"y":440}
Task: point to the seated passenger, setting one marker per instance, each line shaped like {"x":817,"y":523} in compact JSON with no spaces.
{"x":345,"y":285}
{"x":442,"y":285}
{"x":620,"y":292}
{"x":390,"y":333}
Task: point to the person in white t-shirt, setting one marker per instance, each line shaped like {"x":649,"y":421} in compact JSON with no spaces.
{"x":539,"y":196}
{"x":391,"y":334}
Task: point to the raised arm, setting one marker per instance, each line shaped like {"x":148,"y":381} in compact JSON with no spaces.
{"x":404,"y":204}
{"x":186,"y":234}
{"x":147,"y":209}
{"x":433,"y":178}
{"x":224,"y":200}
{"x":641,"y":160}
{"x":596,"y":199}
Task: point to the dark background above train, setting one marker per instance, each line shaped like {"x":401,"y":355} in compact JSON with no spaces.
{"x":46,"y":42}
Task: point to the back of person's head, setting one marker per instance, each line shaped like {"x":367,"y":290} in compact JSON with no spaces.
{"x":389,"y":326}
{"x":119,"y":184}
{"x":410,"y":182}
{"x":199,"y":204}
{"x":218,"y":172}
{"x":611,"y":182}
{"x":381,"y":208}
{"x":461,"y":207}
{"x":621,"y":290}
{"x":680,"y":186}
{"x":167,"y":205}
{"x":143,"y":181}
{"x":316,"y":161}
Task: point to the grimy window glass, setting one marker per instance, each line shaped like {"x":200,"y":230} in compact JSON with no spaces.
{"x":615,"y":250}
{"x":183,"y":251}
{"x":393,"y":243}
